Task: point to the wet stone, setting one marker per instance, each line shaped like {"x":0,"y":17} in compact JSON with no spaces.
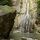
{"x":24,"y":38}
{"x":6,"y":24}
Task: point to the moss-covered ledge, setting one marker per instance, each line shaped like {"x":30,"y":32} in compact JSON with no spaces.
{"x":6,"y":9}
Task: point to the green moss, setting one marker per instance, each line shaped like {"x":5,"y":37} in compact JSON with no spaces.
{"x":7,"y":9}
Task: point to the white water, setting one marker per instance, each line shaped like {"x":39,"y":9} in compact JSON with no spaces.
{"x":25,"y":21}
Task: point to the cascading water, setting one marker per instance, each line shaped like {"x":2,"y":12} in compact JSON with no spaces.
{"x":25,"y":21}
{"x":24,"y":24}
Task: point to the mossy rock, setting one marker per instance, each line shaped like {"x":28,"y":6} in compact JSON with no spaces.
{"x":7,"y":9}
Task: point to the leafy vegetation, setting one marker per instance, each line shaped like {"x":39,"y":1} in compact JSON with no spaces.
{"x":38,"y":11}
{"x":5,"y":2}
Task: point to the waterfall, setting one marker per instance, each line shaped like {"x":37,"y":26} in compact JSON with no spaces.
{"x":28,"y":21}
{"x":24,"y":21}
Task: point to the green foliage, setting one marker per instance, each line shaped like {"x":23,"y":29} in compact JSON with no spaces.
{"x":38,"y":11}
{"x":38,"y":4}
{"x":5,"y":2}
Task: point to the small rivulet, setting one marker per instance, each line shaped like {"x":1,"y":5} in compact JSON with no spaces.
{"x":6,"y":24}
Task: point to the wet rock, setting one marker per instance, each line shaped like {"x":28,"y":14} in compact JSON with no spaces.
{"x":6,"y":24}
{"x":24,"y":38}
